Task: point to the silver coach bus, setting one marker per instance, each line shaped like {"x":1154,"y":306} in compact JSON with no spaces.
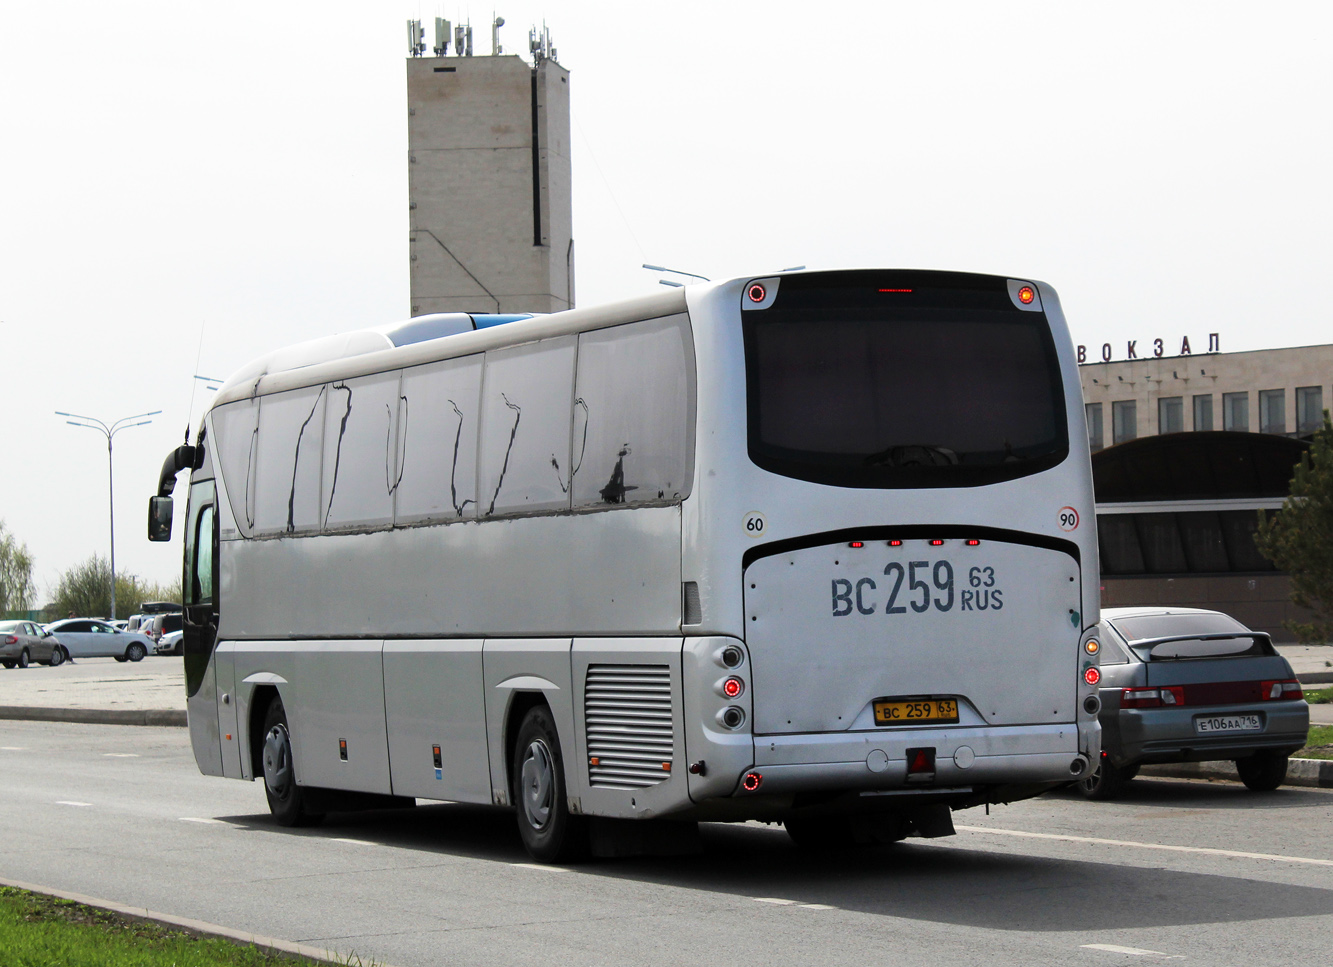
{"x":815,"y":548}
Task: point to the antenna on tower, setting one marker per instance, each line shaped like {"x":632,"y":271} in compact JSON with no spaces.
{"x":496,"y":24}
{"x":442,"y":31}
{"x":416,"y":43}
{"x":463,"y":40}
{"x":539,"y":44}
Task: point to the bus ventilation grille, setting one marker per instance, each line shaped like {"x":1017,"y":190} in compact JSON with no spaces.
{"x":628,"y":717}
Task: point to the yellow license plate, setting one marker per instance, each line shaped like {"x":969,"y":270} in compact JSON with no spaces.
{"x":920,"y":710}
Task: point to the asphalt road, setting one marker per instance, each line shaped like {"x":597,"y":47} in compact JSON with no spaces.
{"x":1204,"y":872}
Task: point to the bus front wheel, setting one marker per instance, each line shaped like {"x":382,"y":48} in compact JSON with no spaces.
{"x":287,"y":801}
{"x":550,"y":832}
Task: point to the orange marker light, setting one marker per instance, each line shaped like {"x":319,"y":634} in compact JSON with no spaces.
{"x":1026,"y":295}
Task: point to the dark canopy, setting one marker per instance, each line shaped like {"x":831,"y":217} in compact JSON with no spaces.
{"x":1196,"y":466}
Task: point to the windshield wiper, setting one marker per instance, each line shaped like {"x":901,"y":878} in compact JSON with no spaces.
{"x":913,"y":455}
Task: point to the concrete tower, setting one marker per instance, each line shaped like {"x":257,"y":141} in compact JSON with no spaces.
{"x":489,"y":183}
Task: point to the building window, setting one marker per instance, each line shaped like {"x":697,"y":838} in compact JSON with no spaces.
{"x":1094,"y":413}
{"x":1124,"y":421}
{"x":1272,"y":411}
{"x":1309,"y":409}
{"x":1203,"y":412}
{"x":1171,"y":415}
{"x":1236,"y":411}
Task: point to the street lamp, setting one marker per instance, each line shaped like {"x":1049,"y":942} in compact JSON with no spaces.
{"x":92,"y":423}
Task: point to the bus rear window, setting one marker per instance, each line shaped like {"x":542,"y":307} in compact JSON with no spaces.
{"x":916,"y":393}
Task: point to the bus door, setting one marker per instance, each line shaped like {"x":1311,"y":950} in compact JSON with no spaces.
{"x":200,"y":628}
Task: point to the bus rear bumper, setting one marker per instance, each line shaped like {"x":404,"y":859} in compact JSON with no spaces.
{"x":880,"y":760}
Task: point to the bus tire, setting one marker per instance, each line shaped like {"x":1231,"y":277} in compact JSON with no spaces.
{"x":287,"y":801}
{"x":1107,"y":783}
{"x":1263,"y":771}
{"x":551,"y":834}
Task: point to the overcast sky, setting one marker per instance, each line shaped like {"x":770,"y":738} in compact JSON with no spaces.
{"x":186,"y":180}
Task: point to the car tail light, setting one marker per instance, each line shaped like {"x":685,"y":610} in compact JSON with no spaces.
{"x":1285,"y":688}
{"x":11,"y":640}
{"x":1152,"y":697}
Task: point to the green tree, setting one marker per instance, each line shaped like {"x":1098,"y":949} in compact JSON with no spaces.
{"x":1299,"y":537}
{"x":85,"y":589}
{"x":16,"y":585}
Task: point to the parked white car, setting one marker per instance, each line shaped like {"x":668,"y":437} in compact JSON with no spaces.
{"x":170,"y":643}
{"x":93,"y":638}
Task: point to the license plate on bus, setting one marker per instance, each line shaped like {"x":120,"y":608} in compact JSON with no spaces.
{"x":1216,"y":724}
{"x":920,"y":710}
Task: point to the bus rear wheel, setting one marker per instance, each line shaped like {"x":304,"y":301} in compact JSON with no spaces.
{"x":287,"y":801}
{"x":550,"y":832}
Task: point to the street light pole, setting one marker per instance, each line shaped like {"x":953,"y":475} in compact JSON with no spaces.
{"x":92,"y":423}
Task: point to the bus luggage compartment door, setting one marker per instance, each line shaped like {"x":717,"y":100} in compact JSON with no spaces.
{"x":992,"y":625}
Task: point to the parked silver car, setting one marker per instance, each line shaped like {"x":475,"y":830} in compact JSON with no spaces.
{"x":22,"y":642}
{"x":1187,"y":685}
{"x":93,"y":638}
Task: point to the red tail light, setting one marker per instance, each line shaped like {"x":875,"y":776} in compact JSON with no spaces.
{"x":1152,"y":697}
{"x":752,"y":781}
{"x":1092,"y":676}
{"x":895,"y":543}
{"x":1288,"y":688}
{"x":11,"y":640}
{"x":937,"y":543}
{"x":732,"y":687}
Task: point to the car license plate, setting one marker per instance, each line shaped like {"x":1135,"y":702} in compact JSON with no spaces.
{"x":1228,"y":723}
{"x":920,"y":710}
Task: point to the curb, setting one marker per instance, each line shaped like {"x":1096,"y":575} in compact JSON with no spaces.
{"x":189,"y":926}
{"x":1315,"y":678}
{"x":1317,"y":773}
{"x":95,"y":716}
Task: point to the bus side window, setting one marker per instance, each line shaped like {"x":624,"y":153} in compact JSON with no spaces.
{"x":236,"y":439}
{"x":363,"y":439}
{"x":633,"y":396}
{"x":527,"y":392}
{"x":443,"y":401}
{"x":201,"y":569}
{"x":289,"y":451}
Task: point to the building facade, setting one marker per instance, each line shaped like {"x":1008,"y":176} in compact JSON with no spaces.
{"x":1280,"y":391}
{"x":1188,"y":450}
{"x":489,"y":185}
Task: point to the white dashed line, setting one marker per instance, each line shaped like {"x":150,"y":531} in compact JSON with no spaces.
{"x":773,"y":899}
{"x":354,"y":842}
{"x":1111,"y":948}
{"x":68,"y":802}
{"x":121,"y":755}
{"x":202,"y":819}
{"x":11,"y":748}
{"x":816,"y":906}
{"x":1210,"y":851}
{"x":541,"y":866}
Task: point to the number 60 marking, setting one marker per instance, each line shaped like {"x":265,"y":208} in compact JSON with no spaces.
{"x":754,"y":524}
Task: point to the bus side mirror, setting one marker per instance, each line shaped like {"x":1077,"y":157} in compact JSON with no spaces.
{"x":159,"y":518}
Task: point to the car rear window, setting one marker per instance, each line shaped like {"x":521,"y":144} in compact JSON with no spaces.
{"x":1167,"y":625}
{"x":1243,"y":646}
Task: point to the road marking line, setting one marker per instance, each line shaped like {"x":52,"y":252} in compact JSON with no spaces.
{"x":1111,"y":948}
{"x":1158,"y":846}
{"x":773,"y":899}
{"x":541,"y":866}
{"x":815,"y":906}
{"x":11,"y":748}
{"x":201,"y":819}
{"x":68,"y":802}
{"x":121,"y":755}
{"x":354,"y":842}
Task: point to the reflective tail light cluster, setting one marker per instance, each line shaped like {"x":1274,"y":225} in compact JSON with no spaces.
{"x":1211,"y":693}
{"x":1288,"y":688}
{"x":11,"y":640}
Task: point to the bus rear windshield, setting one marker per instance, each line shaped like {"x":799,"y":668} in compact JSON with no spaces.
{"x":915,"y":394}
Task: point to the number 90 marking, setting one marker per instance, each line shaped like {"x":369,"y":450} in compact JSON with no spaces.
{"x":755,"y":524}
{"x":1068,"y":519}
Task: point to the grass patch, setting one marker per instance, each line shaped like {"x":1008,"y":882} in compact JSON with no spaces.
{"x":1319,"y":745}
{"x":43,"y":931}
{"x":1321,"y":696}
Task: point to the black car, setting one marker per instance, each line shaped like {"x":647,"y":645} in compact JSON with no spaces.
{"x":1187,"y":685}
